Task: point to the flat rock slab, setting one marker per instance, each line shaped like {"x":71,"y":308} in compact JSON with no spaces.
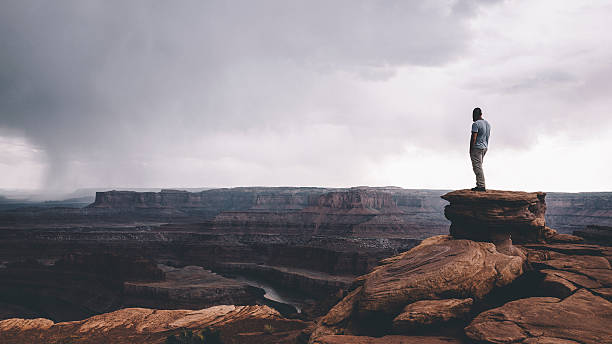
{"x":343,"y":339}
{"x":580,"y":318}
{"x":566,"y":268}
{"x":479,"y":215}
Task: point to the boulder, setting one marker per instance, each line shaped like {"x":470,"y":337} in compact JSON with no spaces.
{"x":440,"y":268}
{"x":497,"y":215}
{"x":579,"y":318}
{"x":428,"y":313}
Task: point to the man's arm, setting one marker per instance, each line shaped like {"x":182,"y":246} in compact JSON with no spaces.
{"x":473,"y":140}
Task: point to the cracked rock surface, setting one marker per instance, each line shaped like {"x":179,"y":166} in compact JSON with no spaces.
{"x":579,"y":318}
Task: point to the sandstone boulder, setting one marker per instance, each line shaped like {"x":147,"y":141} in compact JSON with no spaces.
{"x":490,"y":215}
{"x":427,"y":313}
{"x":581,"y":317}
{"x":440,"y":268}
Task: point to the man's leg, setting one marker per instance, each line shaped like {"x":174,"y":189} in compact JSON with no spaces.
{"x":477,"y":156}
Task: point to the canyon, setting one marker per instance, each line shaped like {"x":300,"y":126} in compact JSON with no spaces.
{"x":329,"y":248}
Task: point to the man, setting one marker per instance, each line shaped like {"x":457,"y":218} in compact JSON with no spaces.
{"x":479,"y":142}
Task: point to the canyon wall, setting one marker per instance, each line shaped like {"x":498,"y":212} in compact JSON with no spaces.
{"x":306,"y":239}
{"x":574,"y":211}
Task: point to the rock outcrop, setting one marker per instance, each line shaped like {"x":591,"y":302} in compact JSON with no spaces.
{"x":524,"y":293}
{"x":596,"y":234}
{"x":566,"y":268}
{"x":568,"y":212}
{"x":190,"y":287}
{"x":357,"y":200}
{"x":240,"y":324}
{"x":440,"y":268}
{"x":432,"y":313}
{"x":579,"y":318}
{"x":493,"y":215}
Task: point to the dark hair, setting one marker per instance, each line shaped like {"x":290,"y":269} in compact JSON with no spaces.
{"x":477,"y":112}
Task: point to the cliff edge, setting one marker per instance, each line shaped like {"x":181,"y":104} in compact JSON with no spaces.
{"x":477,"y":285}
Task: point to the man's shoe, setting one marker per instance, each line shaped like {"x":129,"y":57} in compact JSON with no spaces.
{"x":479,"y":188}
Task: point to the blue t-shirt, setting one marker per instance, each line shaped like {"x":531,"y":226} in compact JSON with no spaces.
{"x":483,"y":128}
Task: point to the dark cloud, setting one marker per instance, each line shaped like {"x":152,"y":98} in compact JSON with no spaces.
{"x":121,"y":82}
{"x":116,"y":90}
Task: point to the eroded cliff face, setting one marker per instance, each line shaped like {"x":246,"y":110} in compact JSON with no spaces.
{"x":568,"y":212}
{"x":360,"y":212}
{"x":73,"y":287}
{"x":357,"y":199}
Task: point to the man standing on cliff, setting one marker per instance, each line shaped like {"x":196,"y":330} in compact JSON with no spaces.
{"x":479,"y":142}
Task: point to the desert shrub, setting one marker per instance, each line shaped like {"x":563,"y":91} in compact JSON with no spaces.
{"x":186,"y":336}
{"x":268,"y":329}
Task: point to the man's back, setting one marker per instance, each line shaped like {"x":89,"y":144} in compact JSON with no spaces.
{"x":483,"y":128}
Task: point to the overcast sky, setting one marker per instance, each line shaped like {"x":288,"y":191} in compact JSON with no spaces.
{"x":311,"y":93}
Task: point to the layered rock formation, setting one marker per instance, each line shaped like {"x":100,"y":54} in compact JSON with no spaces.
{"x":499,"y":267}
{"x":596,"y":234}
{"x":488,"y":215}
{"x":81,"y":285}
{"x":440,"y":268}
{"x":579,"y":318}
{"x":568,"y":212}
{"x":552,"y":288}
{"x":236,"y":324}
{"x":190,"y":287}
{"x":74,"y":287}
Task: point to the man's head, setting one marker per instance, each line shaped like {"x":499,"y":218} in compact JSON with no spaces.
{"x":476,"y":114}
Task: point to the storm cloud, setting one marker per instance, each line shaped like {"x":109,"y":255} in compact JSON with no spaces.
{"x":221,"y":93}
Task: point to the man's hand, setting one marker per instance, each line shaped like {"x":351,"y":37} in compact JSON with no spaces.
{"x":473,"y":140}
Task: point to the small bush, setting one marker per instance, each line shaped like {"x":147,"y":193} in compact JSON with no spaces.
{"x":206,"y":336}
{"x":268,"y":329}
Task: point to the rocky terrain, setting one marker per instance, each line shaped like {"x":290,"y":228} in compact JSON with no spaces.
{"x":300,"y":239}
{"x":189,"y":287}
{"x":235,"y":324}
{"x":479,"y":286}
{"x":501,"y":276}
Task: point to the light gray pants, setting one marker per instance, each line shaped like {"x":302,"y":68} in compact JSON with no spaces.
{"x":477,"y":156}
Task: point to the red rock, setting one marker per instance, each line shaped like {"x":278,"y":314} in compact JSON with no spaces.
{"x":428,"y":313}
{"x":557,"y":285}
{"x":438,"y":268}
{"x":344,"y":339}
{"x":189,"y":287}
{"x":476,"y":215}
{"x":581,"y":317}
{"x":145,"y":326}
